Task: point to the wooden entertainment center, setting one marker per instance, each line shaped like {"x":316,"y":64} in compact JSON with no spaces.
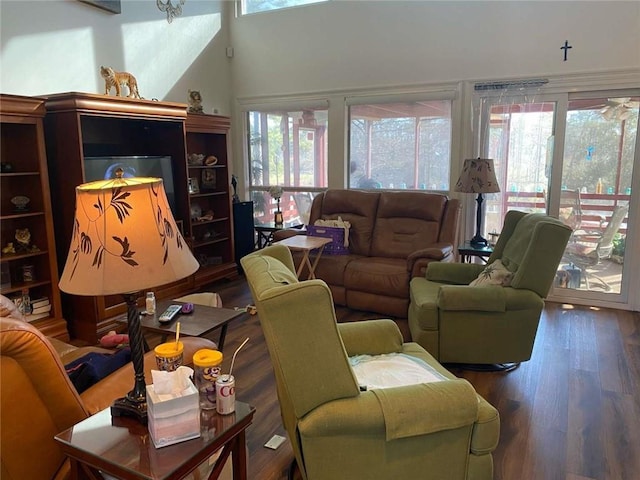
{"x":81,"y":126}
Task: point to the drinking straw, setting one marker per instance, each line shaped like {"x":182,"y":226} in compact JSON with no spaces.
{"x":177,"y":334}
{"x":235,"y":353}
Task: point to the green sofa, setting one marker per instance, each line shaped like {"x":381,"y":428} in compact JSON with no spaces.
{"x":442,"y":430}
{"x":458,"y":323}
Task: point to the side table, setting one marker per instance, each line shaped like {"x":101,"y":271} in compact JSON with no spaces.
{"x":467,"y":250}
{"x":305,"y":244}
{"x":122,"y":447}
{"x":202,"y":321}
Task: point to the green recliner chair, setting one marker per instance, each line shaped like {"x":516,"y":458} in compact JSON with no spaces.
{"x":491,"y":325}
{"x":441,"y":430}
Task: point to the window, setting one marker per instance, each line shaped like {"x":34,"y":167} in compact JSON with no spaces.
{"x":400,"y":145}
{"x":255,"y":6}
{"x":287,"y":149}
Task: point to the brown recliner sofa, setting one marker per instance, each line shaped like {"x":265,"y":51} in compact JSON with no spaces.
{"x":39,"y":401}
{"x":393,"y":237}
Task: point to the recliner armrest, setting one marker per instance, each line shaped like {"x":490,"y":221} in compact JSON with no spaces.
{"x":464,"y":297}
{"x":418,"y":261}
{"x":487,"y":299}
{"x":371,"y":337}
{"x":426,"y":408}
{"x":453,"y":273}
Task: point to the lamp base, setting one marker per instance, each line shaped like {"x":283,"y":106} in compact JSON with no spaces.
{"x":125,"y":407}
{"x":479,"y":241}
{"x":134,"y":404}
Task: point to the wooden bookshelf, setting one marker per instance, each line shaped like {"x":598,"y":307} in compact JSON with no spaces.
{"x":24,"y":173}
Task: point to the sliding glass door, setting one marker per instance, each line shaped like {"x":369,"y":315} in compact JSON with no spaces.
{"x":598,"y":163}
{"x":573,"y":157}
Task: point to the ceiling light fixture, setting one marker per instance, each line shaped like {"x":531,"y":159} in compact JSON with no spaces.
{"x":170,"y":9}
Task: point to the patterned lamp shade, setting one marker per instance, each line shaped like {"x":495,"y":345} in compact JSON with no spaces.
{"x":478,"y":176}
{"x":124,"y":239}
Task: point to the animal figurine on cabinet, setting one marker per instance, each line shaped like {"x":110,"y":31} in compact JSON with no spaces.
{"x":117,"y":80}
{"x":23,"y":239}
{"x":195,"y":102}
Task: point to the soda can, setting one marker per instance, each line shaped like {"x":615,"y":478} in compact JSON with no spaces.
{"x":225,"y":394}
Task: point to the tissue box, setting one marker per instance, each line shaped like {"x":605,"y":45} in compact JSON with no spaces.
{"x":174,"y":420}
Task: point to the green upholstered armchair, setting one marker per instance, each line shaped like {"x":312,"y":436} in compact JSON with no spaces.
{"x":458,"y":323}
{"x":441,"y":430}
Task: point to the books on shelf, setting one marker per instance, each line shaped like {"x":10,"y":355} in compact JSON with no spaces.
{"x":40,"y":302}
{"x":41,"y":309}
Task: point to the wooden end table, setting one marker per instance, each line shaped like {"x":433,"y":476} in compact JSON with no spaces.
{"x":305,"y":244}
{"x":122,"y":447}
{"x":202,"y":321}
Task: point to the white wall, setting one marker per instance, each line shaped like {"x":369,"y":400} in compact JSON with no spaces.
{"x":333,"y":49}
{"x":355,"y":44}
{"x":58,"y":46}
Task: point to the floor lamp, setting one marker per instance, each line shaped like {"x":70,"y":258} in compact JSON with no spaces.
{"x":124,"y":241}
{"x":478,"y":176}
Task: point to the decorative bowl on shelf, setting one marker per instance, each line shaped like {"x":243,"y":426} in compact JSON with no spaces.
{"x":20,"y":203}
{"x":195,"y":159}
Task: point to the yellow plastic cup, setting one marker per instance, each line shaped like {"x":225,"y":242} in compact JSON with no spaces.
{"x":169,"y":356}
{"x":207,"y":368}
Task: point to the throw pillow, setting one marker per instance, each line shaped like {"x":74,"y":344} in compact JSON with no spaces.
{"x":493,"y":274}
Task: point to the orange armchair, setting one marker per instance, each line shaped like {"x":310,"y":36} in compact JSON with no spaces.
{"x":38,"y":400}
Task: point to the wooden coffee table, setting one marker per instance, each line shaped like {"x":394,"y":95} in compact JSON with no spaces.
{"x":306,"y":244}
{"x":202,"y":321}
{"x":122,"y":447}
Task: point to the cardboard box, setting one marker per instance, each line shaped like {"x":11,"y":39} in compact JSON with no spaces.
{"x":336,"y":234}
{"x":174,"y":420}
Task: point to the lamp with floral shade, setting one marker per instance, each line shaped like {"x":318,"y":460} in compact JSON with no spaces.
{"x":478,"y":176}
{"x":125,"y":241}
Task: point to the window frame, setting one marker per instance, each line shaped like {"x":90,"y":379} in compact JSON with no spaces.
{"x":241,"y":4}
{"x":407,"y":98}
{"x":264,"y":204}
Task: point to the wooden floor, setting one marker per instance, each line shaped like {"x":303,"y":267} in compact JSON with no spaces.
{"x":571,"y":413}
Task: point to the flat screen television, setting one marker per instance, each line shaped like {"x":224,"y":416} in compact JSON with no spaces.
{"x":103,"y":168}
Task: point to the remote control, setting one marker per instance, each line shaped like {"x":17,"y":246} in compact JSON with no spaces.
{"x":169,"y":313}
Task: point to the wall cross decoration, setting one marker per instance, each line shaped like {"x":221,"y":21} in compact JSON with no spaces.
{"x":566,"y":48}
{"x":172,"y":11}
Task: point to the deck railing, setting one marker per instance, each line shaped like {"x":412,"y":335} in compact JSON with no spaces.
{"x":596,"y":207}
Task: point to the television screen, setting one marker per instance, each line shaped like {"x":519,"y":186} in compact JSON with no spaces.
{"x":103,"y":168}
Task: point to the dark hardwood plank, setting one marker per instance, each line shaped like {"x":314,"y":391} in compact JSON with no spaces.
{"x":570,"y":413}
{"x":584,"y":438}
